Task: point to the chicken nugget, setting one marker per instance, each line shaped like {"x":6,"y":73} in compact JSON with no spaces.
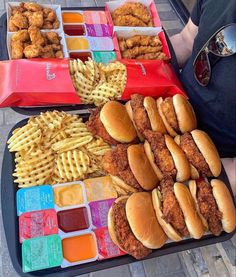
{"x":49,"y":14}
{"x":17,"y":49}
{"x":36,"y":19}
{"x":33,"y":7}
{"x":32,"y":51}
{"x":56,"y":47}
{"x":20,"y":21}
{"x":53,"y":37}
{"x":21,"y":36}
{"x":47,"y":25}
{"x":56,"y":24}
{"x":59,"y":54}
{"x":47,"y":52}
{"x":36,"y":36}
{"x":12,"y":26}
{"x":19,"y":8}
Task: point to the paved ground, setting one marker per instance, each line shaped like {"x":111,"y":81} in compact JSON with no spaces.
{"x":216,"y":260}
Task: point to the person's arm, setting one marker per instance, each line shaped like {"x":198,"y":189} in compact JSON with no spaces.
{"x":183,"y":42}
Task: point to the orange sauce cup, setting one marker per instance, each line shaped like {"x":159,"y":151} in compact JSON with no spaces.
{"x":79,"y":248}
{"x":72,"y":17}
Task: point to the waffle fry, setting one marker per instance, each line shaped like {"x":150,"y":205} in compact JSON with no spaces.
{"x":98,"y":83}
{"x":98,"y":147}
{"x":55,"y":147}
{"x":77,"y":129}
{"x":72,"y":165}
{"x":70,"y":143}
{"x":35,"y":170}
{"x":24,"y":138}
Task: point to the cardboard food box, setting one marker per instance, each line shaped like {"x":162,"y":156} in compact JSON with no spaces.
{"x":40,"y":82}
{"x":56,"y":8}
{"x":124,"y":33}
{"x":59,"y":31}
{"x":112,"y":5}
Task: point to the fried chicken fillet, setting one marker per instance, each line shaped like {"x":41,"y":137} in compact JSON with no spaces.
{"x":208,"y":207}
{"x":162,"y":155}
{"x":140,"y":115}
{"x":194,"y":155}
{"x":124,"y":234}
{"x":172,"y":212}
{"x":115,"y":162}
{"x":169,"y":112}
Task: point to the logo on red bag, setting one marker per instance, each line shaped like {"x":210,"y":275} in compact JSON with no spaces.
{"x":50,"y":76}
{"x":142,"y":68}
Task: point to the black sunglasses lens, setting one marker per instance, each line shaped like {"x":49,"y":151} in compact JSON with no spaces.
{"x":202,"y":69}
{"x":224,"y":42}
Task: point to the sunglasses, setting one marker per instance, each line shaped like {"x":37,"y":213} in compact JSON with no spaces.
{"x":221,"y":44}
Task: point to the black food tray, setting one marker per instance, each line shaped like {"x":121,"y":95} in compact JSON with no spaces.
{"x":37,"y":110}
{"x":10,"y":223}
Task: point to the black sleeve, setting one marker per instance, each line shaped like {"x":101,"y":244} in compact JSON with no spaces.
{"x":196,"y":12}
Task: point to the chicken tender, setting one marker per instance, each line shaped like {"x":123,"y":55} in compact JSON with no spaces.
{"x":122,"y":44}
{"x":21,"y":36}
{"x":115,"y":162}
{"x":151,"y":56}
{"x":172,"y":212}
{"x":124,"y":234}
{"x":19,"y":20}
{"x":162,"y":155}
{"x":36,"y":36}
{"x":143,"y":41}
{"x":33,"y":7}
{"x":140,"y":115}
{"x":139,"y":50}
{"x":137,"y":10}
{"x":128,"y":20}
{"x":17,"y":49}
{"x":53,"y":38}
{"x":36,"y":19}
{"x":32,"y":51}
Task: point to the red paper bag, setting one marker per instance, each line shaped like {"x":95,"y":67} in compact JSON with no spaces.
{"x":151,"y":78}
{"x":36,"y":82}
